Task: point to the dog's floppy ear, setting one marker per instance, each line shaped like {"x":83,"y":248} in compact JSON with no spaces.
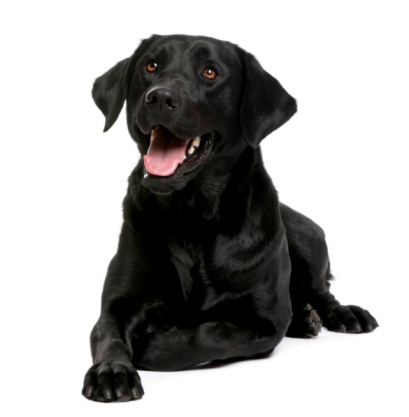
{"x":266,"y":105}
{"x":110,"y":90}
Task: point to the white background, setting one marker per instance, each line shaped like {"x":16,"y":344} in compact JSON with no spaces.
{"x":342,"y":160}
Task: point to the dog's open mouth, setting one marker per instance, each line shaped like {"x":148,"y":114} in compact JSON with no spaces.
{"x":168,"y":153}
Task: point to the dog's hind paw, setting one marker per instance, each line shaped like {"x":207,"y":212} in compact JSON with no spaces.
{"x":350,"y":319}
{"x":306,"y":323}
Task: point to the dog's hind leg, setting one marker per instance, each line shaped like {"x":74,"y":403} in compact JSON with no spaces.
{"x":312,"y":302}
{"x":176,"y":348}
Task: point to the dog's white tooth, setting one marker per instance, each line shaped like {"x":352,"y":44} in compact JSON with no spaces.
{"x":196,"y":141}
{"x":191,"y":150}
{"x":153,"y":133}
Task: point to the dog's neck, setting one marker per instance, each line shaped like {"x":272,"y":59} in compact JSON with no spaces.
{"x":224,"y":183}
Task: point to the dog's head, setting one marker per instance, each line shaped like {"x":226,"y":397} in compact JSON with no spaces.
{"x":191,"y":102}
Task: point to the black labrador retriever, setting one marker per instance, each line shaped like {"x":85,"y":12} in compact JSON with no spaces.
{"x":210,"y":265}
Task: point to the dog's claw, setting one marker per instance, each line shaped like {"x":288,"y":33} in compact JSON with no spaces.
{"x":107,"y":394}
{"x":135,"y":394}
{"x":89,"y":392}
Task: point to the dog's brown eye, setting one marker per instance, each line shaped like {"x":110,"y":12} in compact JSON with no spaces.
{"x":152,"y":66}
{"x":209,"y":73}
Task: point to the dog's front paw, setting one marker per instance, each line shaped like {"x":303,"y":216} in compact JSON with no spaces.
{"x":350,"y":319}
{"x":112,"y":382}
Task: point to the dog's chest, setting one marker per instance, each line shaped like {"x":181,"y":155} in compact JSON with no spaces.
{"x":202,"y":273}
{"x":188,"y":260}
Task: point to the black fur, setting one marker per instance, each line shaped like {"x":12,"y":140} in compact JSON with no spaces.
{"x":210,"y":266}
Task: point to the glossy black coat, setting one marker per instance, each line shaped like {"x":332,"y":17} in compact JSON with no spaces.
{"x":210,"y":266}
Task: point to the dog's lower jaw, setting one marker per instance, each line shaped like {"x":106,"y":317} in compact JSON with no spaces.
{"x":161,"y":186}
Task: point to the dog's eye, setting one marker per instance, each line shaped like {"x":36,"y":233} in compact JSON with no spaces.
{"x":209,"y":73}
{"x":151,"y":66}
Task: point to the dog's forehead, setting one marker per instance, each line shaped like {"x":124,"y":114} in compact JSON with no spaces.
{"x":181,"y":48}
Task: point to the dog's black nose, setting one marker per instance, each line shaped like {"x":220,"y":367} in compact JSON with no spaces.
{"x":163,"y":97}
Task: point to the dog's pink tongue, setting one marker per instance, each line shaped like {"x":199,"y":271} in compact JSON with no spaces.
{"x":164,"y":155}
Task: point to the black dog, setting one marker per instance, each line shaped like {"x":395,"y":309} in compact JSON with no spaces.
{"x":210,"y":266}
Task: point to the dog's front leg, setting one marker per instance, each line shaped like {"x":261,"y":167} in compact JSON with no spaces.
{"x":112,"y":376}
